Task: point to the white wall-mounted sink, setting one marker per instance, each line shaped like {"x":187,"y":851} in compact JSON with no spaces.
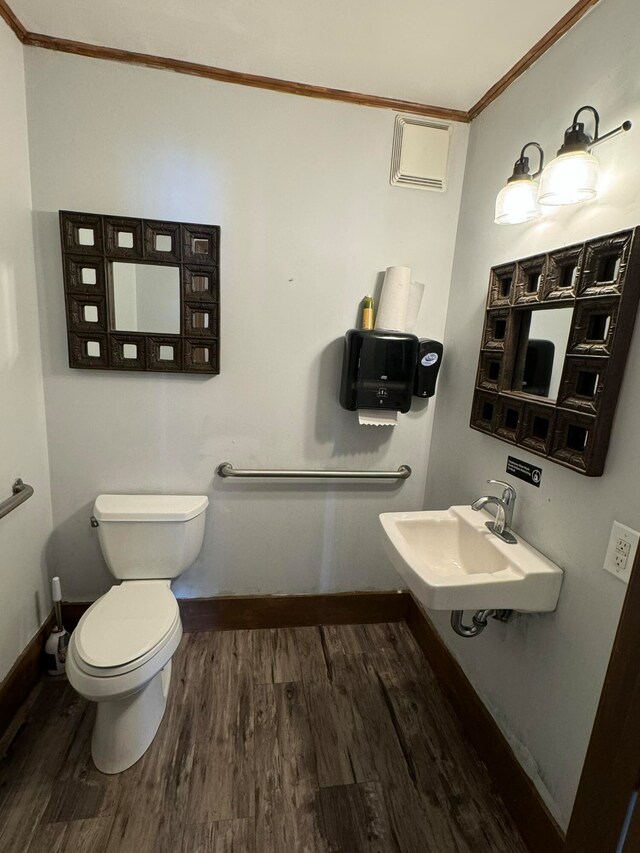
{"x":451,"y":561}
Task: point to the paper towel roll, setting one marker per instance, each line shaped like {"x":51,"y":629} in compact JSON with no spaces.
{"x":394,"y":300}
{"x":372,"y":417}
{"x":416,"y":292}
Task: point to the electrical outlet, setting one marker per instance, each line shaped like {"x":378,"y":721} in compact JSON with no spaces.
{"x":621,"y":551}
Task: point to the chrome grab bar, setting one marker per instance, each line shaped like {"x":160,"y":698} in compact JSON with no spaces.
{"x":226,"y":469}
{"x":21,"y":493}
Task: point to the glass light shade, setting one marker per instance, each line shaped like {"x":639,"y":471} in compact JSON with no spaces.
{"x":517,"y":202}
{"x":569,"y":179}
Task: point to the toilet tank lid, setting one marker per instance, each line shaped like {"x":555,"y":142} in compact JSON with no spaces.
{"x":149,"y":507}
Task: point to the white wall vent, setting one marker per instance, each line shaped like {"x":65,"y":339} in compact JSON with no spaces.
{"x":420,"y":154}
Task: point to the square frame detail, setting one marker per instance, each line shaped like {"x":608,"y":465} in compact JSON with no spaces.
{"x":116,"y":354}
{"x":501,"y":294}
{"x":113,"y":226}
{"x":608,"y":253}
{"x":190,"y":290}
{"x":73,"y":267}
{"x":155,"y":361}
{"x":567,"y":439}
{"x":485,"y":412}
{"x":588,"y":317}
{"x":535,"y":435}
{"x":200,"y":356}
{"x":564,"y":267}
{"x":191,"y":327}
{"x":75,"y":313}
{"x":496,"y":328}
{"x":490,"y":370}
{"x":526,"y":270}
{"x":95,"y":289}
{"x":583,"y":383}
{"x":78,"y":351}
{"x":508,"y":425}
{"x":70,"y":226}
{"x":153,"y":229}
{"x":194,"y":235}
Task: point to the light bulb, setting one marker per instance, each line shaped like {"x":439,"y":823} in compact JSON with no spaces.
{"x":569,"y":179}
{"x":517,"y":202}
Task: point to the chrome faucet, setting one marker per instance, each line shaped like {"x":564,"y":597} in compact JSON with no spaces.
{"x":501,"y":527}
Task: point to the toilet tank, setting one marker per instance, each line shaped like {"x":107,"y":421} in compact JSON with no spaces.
{"x":146,"y":537}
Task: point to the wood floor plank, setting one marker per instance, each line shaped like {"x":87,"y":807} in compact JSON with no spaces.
{"x":33,"y":762}
{"x":276,"y":656}
{"x":21,"y":813}
{"x":40,"y":746}
{"x":446,"y":772}
{"x":224,"y":836}
{"x":78,"y":836}
{"x":313,"y":663}
{"x":80,"y":791}
{"x":412,"y":824}
{"x":342,"y":746}
{"x":221,"y":783}
{"x":288,"y":811}
{"x":356,"y":819}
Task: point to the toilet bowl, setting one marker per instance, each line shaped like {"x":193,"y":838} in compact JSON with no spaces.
{"x":120,"y":653}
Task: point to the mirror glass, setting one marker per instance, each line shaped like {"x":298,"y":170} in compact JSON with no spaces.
{"x":200,"y":283}
{"x":88,"y":275}
{"x":544,"y":335}
{"x":85,"y":236}
{"x":163,"y":243}
{"x":125,"y":239}
{"x":199,"y":245}
{"x":93,"y":349}
{"x":146,"y":297}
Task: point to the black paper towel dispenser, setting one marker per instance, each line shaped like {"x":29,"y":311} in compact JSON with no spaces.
{"x":378,"y":370}
{"x":429,"y":361}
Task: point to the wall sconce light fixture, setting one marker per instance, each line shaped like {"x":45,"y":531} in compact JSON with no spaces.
{"x":572,"y":176}
{"x":517,"y":201}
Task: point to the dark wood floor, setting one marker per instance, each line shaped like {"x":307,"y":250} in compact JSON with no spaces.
{"x":333,"y":739}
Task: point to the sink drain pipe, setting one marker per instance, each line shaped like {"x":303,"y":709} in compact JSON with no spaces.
{"x":479,"y":620}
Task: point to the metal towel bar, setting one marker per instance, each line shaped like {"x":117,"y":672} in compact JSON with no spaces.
{"x":226,"y":469}
{"x":21,"y":493}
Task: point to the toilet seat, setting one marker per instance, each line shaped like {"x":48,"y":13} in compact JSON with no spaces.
{"x":125,"y":628}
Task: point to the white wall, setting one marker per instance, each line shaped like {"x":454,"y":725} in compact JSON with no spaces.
{"x":542,"y":676}
{"x":300,"y":188}
{"x":23,"y":533}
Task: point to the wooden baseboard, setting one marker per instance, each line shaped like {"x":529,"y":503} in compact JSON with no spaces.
{"x":234,"y":612}
{"x":288,"y":611}
{"x":537,"y":825}
{"x":23,"y":676}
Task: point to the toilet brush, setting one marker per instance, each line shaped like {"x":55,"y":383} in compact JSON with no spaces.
{"x":56,"y":646}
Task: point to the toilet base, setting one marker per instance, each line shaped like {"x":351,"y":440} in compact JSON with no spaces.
{"x":125,"y":728}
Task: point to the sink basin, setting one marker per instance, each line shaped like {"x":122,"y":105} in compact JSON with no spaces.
{"x":450,"y":561}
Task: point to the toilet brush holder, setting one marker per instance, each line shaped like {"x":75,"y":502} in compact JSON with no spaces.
{"x":55,"y":648}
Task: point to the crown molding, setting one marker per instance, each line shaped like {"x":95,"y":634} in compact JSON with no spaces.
{"x":7,"y":13}
{"x":225,"y":75}
{"x":540,"y":47}
{"x":290,"y":87}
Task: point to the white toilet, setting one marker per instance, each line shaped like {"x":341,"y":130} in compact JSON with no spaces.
{"x":120,"y":654}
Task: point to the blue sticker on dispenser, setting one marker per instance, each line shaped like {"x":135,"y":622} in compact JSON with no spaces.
{"x":429,"y":359}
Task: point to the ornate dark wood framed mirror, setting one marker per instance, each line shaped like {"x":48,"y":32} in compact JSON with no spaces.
{"x":141,"y":294}
{"x":554,"y":346}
